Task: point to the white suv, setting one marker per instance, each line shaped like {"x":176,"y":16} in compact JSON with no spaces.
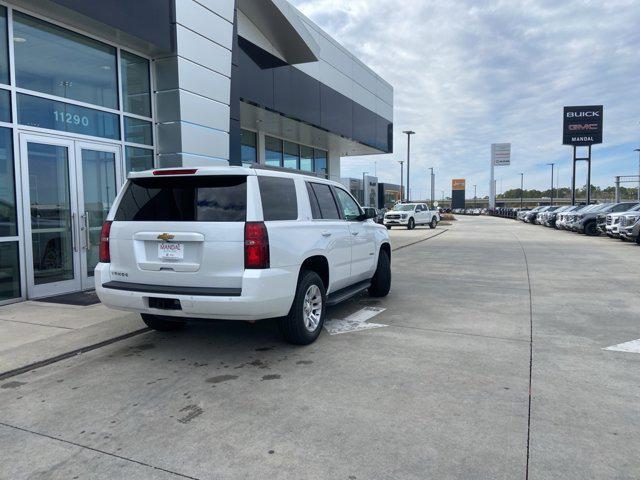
{"x":411,"y":214}
{"x":240,"y":244}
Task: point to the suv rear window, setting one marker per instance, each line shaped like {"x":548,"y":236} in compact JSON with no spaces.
{"x":279,"y":200}
{"x":185,"y":199}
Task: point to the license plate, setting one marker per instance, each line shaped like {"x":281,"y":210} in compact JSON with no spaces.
{"x":171,"y":250}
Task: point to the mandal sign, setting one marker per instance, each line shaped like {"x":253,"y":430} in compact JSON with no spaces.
{"x":582,"y":125}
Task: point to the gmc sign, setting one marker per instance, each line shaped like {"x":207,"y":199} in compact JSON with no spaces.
{"x":582,"y":125}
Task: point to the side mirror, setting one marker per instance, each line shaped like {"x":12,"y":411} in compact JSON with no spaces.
{"x":368,"y":214}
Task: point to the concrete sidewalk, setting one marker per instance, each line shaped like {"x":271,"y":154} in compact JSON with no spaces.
{"x":34,"y":332}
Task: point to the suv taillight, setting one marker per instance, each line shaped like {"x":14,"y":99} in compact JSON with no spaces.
{"x":256,"y":245}
{"x":105,"y":254}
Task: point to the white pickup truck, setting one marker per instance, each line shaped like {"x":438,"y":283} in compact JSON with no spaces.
{"x":238,"y":244}
{"x":411,"y":214}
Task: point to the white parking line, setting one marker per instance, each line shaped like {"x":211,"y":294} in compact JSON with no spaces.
{"x":630,"y":347}
{"x":355,"y":322}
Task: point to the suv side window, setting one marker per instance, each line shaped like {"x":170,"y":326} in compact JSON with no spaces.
{"x":315,"y":208}
{"x":350,"y":209}
{"x":326,"y":202}
{"x":279,"y":200}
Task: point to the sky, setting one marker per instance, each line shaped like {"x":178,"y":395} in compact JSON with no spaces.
{"x":468,"y":73}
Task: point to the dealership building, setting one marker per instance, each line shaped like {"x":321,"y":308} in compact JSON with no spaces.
{"x":92,"y":90}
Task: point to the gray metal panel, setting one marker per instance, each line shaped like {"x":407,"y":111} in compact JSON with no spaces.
{"x":224,"y":8}
{"x":203,"y":51}
{"x":195,"y":17}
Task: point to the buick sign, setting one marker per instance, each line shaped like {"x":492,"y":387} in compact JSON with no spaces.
{"x":582,"y":125}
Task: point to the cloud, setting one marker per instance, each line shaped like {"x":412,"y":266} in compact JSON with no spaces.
{"x":470,"y":73}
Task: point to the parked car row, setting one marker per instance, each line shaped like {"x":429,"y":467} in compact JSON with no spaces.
{"x":470,"y":211}
{"x":616,"y":220}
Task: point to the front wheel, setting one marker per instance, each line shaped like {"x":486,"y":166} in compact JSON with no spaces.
{"x":411,"y":224}
{"x":591,"y":229}
{"x":433,"y":224}
{"x":381,"y":281}
{"x":162,"y":324}
{"x":305,"y":319}
{"x":388,"y":227}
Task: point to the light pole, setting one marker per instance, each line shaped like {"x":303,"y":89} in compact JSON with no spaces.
{"x":475,"y":197}
{"x":638,"y":150}
{"x":401,"y":162}
{"x":363,"y":189}
{"x":552,"y":164}
{"x":433,"y":186}
{"x":408,"y":133}
{"x":521,"y":189}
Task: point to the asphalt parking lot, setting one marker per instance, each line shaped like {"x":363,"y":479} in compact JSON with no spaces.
{"x":479,"y":315}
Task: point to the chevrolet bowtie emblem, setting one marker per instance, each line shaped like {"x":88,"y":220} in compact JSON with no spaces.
{"x":165,"y":237}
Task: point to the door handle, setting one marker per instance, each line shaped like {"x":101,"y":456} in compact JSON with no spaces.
{"x":73,"y":232}
{"x":326,"y":233}
{"x":86,"y":231}
{"x":354,"y":233}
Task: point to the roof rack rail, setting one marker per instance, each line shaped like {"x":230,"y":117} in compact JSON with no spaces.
{"x":260,"y":166}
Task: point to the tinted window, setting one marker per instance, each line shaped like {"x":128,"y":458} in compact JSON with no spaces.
{"x":7,"y":186}
{"x":279,"y":200}
{"x":273,"y":151}
{"x":248,"y":147}
{"x":138,"y":159}
{"x":4,"y":51}
{"x":350,"y":209}
{"x":315,"y":208}
{"x":136,"y":86}
{"x":326,"y":202}
{"x":45,"y":113}
{"x":138,"y":131}
{"x":185,"y":199}
{"x":53,"y":60}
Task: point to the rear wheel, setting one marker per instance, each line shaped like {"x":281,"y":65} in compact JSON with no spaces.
{"x":412,"y":224}
{"x":434,"y":223}
{"x":305,"y":319}
{"x":381,"y":281}
{"x":162,"y":324}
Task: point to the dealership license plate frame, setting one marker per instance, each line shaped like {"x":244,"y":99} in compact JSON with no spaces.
{"x":171,"y":251}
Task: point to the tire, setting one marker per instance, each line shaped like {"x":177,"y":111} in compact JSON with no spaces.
{"x":388,"y":227}
{"x":296,"y":326}
{"x":433,"y":224}
{"x":591,"y":229}
{"x":411,"y":224}
{"x":162,"y":324}
{"x":638,"y":240}
{"x":381,"y":281}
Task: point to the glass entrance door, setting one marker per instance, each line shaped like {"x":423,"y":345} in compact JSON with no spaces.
{"x":68,"y":188}
{"x":98,"y":174}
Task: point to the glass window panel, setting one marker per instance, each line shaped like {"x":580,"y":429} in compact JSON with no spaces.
{"x":4,"y":51}
{"x":49,"y":194}
{"x":350,"y":209}
{"x":9,"y":271}
{"x":326,"y":202}
{"x":215,"y":198}
{"x":8,"y":227}
{"x":138,"y":159}
{"x":5,"y":106}
{"x":291,"y":155}
{"x":320,"y":162}
{"x":138,"y":131}
{"x":248,"y":147}
{"x":273,"y":151}
{"x":306,"y":158}
{"x":45,"y":113}
{"x":57,"y":61}
{"x":136,"y":86}
{"x":279,"y":201}
{"x":99,"y":189}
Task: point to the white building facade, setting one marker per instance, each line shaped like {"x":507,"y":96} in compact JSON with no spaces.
{"x":90,"y":91}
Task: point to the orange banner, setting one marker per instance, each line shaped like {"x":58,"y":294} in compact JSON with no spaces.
{"x":458,"y":184}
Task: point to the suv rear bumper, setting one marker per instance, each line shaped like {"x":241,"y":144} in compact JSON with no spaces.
{"x":264,"y":294}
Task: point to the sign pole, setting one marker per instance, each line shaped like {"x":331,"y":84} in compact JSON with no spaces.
{"x":492,"y":193}
{"x":573,"y":178}
{"x":589,"y":177}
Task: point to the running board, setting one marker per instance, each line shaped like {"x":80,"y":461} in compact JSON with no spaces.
{"x":348,"y":292}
